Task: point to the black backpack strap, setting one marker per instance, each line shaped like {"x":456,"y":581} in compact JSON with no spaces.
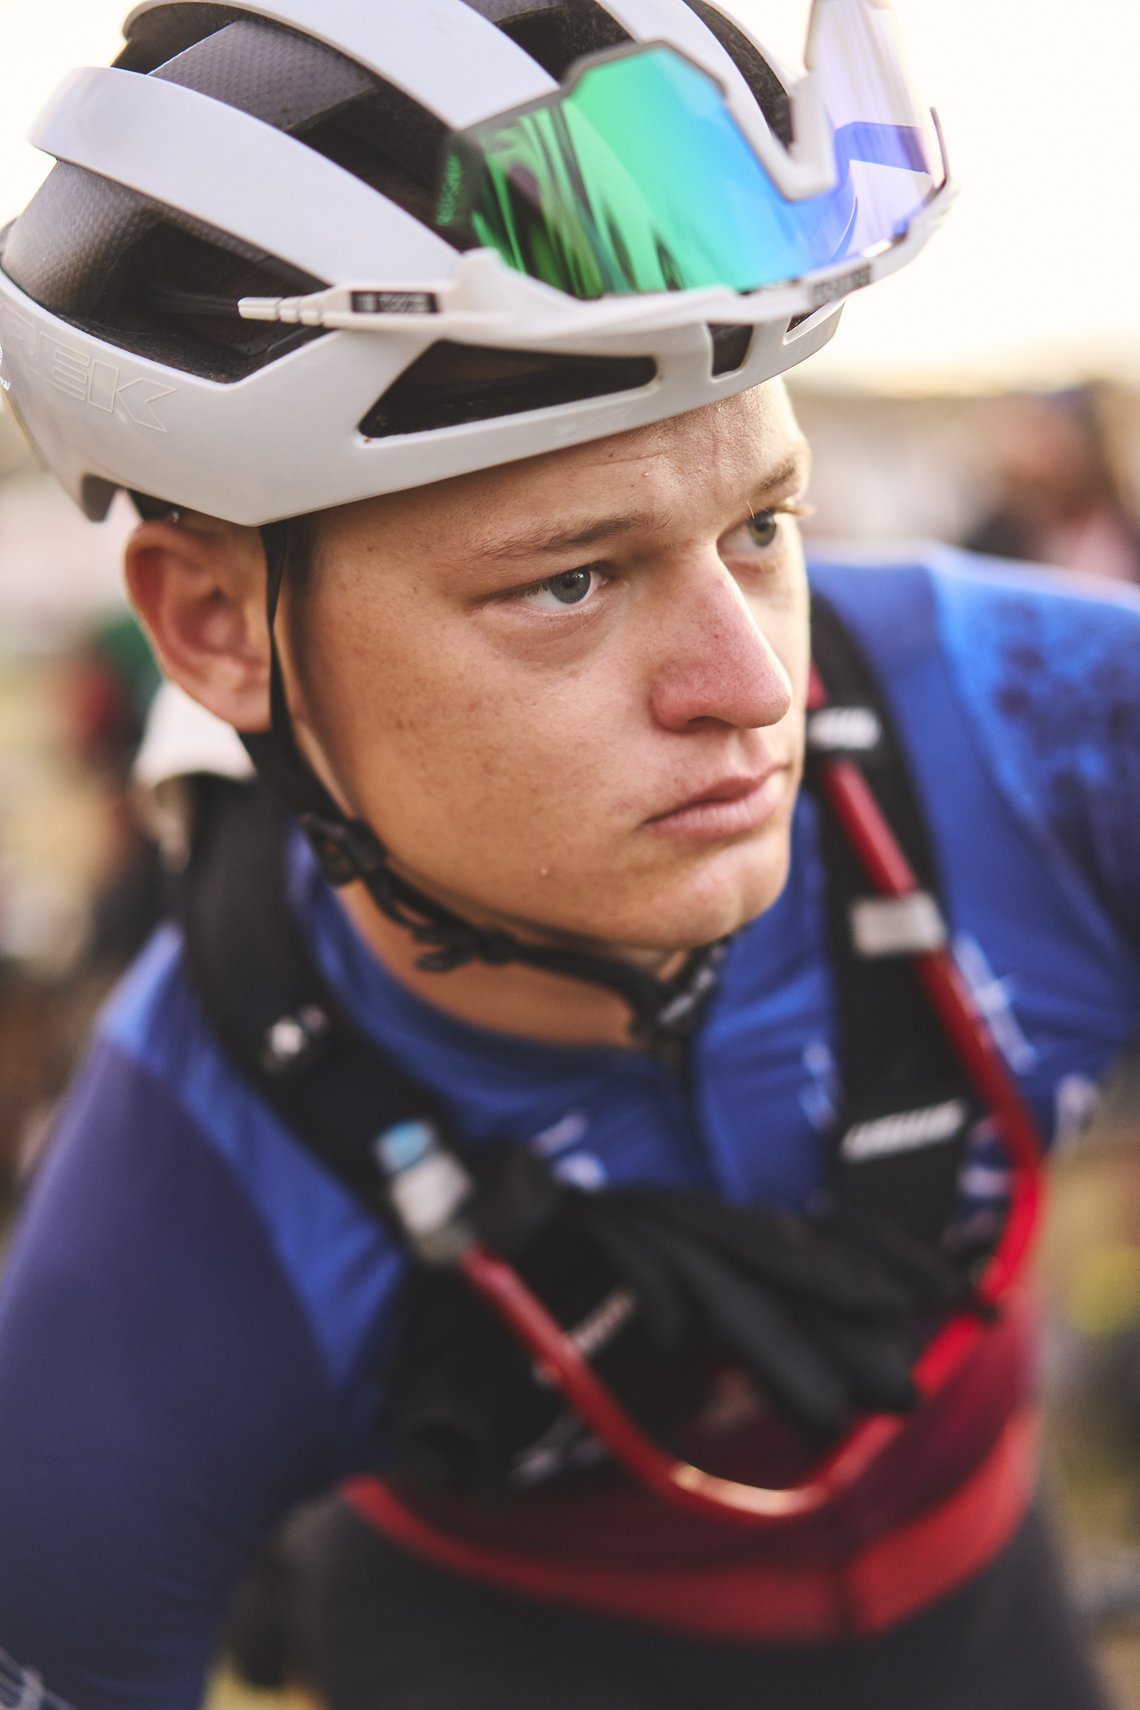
{"x":267,"y":1000}
{"x":898,"y":1148}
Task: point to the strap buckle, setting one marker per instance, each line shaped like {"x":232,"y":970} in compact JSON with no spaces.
{"x":345,"y":848}
{"x":910,"y":925}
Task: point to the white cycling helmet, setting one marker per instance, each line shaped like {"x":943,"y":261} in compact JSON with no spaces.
{"x":296,"y":253}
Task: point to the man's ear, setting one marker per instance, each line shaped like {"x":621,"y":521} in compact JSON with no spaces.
{"x":199,"y":591}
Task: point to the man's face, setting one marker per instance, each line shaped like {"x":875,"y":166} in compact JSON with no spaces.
{"x":568,"y":694}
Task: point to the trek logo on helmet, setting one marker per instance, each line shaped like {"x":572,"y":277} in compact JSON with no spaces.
{"x":77,"y":374}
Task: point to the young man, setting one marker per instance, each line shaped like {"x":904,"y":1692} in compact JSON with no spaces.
{"x":395,"y":310}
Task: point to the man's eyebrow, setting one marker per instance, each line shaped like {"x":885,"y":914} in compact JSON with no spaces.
{"x":792,"y":472}
{"x":533,"y":543}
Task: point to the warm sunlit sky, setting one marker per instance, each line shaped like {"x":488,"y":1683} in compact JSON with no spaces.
{"x":1036,"y":275}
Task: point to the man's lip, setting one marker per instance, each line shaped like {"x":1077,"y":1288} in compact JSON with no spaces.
{"x":731,"y":789}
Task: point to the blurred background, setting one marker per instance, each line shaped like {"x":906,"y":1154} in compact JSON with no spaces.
{"x":989,"y":395}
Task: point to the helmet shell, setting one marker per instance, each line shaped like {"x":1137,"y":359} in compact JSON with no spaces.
{"x":274,"y":149}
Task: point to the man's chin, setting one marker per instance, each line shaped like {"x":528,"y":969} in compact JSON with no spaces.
{"x":733,"y":893}
{"x":686,"y":922}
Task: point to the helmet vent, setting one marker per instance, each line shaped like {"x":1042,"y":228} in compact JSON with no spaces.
{"x":771,"y":96}
{"x":156,"y":283}
{"x":261,"y":68}
{"x":555,"y":32}
{"x":731,"y":345}
{"x":391,"y":143}
{"x":451,"y":385}
{"x":178,"y":305}
{"x":157,"y":36}
{"x":507,"y":11}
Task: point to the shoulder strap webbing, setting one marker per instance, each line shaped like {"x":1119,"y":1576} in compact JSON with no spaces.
{"x":267,"y":1000}
{"x":897,"y":1149}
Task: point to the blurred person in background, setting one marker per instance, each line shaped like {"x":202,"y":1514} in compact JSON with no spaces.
{"x":561,"y":1134}
{"x":31,"y":1059}
{"x":1058,"y":498}
{"x":62,"y":942}
{"x":110,"y":680}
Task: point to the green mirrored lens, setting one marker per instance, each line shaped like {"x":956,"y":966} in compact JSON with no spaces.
{"x":636,"y":179}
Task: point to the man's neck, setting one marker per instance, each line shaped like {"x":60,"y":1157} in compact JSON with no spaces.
{"x":554,"y":1009}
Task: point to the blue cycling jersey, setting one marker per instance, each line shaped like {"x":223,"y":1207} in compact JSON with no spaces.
{"x":194,"y":1316}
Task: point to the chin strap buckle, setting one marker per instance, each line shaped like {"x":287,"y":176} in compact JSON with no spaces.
{"x":455,"y":943}
{"x":345,"y":848}
{"x":683,"y":1001}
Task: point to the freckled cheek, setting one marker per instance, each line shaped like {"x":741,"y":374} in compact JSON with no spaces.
{"x":498,"y":767}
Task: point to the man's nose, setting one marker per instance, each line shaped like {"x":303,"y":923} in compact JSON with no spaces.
{"x":714,"y":660}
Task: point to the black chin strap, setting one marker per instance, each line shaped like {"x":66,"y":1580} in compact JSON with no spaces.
{"x":662,"y":1011}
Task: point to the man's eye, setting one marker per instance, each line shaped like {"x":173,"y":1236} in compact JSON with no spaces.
{"x":568,"y":588}
{"x":760,"y":533}
{"x":763,"y":528}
